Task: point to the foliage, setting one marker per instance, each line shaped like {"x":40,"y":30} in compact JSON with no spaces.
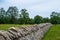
{"x":12,"y":13}
{"x":2,"y":15}
{"x":24,"y":16}
{"x":46,"y":20}
{"x":37,"y":19}
{"x":55,"y":18}
{"x":13,"y":16}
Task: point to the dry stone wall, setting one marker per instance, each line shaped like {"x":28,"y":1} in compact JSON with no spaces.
{"x":25,"y":33}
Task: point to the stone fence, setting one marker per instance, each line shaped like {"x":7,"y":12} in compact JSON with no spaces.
{"x":25,"y":33}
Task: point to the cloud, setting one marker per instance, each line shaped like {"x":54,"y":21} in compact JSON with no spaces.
{"x":34,"y":7}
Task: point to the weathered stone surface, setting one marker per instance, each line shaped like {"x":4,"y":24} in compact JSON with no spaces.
{"x":35,"y":32}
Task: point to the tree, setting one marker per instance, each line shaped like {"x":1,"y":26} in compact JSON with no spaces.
{"x":55,"y":18}
{"x":46,"y":20}
{"x":12,"y":13}
{"x":31,"y":21}
{"x":24,"y":16}
{"x":2,"y":15}
{"x":37,"y":19}
{"x":55,"y":14}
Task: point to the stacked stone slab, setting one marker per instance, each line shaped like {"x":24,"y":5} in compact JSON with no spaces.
{"x":35,"y":32}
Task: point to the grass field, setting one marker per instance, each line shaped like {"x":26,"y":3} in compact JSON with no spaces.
{"x":7,"y":26}
{"x":53,"y":33}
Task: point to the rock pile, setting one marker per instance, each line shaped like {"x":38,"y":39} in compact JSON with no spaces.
{"x":25,"y":33}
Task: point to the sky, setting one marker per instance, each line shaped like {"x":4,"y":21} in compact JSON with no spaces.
{"x":35,"y":7}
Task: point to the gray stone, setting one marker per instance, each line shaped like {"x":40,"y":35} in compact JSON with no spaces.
{"x":35,"y":32}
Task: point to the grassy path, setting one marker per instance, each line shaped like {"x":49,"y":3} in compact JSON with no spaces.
{"x":53,"y":33}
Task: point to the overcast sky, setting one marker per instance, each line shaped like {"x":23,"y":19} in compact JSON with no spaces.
{"x":34,"y":7}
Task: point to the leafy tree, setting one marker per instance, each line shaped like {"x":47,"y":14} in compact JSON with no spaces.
{"x":55,"y":14}
{"x":37,"y":19}
{"x":24,"y":16}
{"x":31,"y":21}
{"x":2,"y":15}
{"x":55,"y":18}
{"x":46,"y":20}
{"x":20,"y":20}
{"x":12,"y":13}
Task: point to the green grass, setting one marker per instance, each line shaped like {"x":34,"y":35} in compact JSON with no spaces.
{"x":53,"y":33}
{"x":7,"y":26}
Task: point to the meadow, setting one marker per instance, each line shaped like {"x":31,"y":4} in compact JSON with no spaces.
{"x":7,"y":26}
{"x":53,"y":33}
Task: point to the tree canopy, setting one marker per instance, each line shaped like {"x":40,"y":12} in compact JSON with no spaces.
{"x":14,"y":16}
{"x":55,"y":18}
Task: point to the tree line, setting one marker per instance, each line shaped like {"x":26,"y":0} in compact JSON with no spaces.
{"x":14,"y":16}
